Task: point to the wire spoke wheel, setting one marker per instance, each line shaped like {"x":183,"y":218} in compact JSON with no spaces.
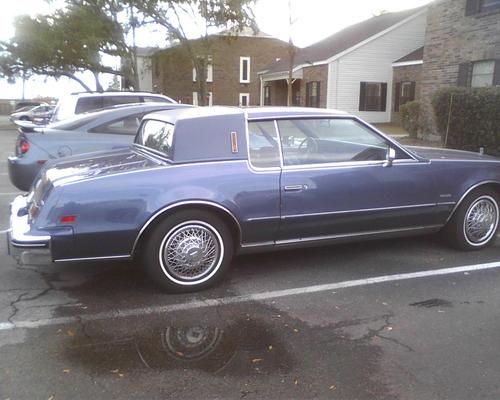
{"x":481,"y":220}
{"x":191,"y":251}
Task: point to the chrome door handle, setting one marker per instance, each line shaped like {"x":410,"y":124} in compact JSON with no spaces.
{"x":295,"y":188}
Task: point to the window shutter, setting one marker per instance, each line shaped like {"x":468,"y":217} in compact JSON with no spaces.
{"x":362,"y":96}
{"x":464,"y":74}
{"x":496,"y":76}
{"x":472,"y":7}
{"x":318,"y":95}
{"x":383,"y":97}
{"x":412,"y":91}
{"x":397,"y":96}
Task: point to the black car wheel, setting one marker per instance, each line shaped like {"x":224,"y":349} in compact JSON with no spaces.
{"x":475,"y":223}
{"x":188,"y":251}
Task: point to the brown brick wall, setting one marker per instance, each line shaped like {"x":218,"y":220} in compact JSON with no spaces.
{"x":409,"y":73}
{"x":172,"y":69}
{"x":453,"y":38}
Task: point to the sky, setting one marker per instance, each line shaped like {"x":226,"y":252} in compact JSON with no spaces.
{"x":313,"y":20}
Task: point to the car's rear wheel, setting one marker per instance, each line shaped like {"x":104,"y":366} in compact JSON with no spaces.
{"x":188,"y":251}
{"x":475,"y":223}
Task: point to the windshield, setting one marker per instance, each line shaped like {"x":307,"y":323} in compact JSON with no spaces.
{"x":158,"y":136}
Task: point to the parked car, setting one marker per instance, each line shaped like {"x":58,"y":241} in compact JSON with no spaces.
{"x":28,"y":113}
{"x":78,"y":103}
{"x":28,"y":104}
{"x":106,"y":129}
{"x":200,"y":185}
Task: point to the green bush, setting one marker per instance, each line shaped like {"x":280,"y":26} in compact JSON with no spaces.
{"x":474,"y":120}
{"x":410,"y":117}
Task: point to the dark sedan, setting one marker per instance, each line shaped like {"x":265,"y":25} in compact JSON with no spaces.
{"x":200,"y":185}
{"x":102,"y":130}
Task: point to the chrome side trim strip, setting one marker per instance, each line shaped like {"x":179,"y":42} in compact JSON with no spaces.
{"x":457,"y":204}
{"x":338,"y":236}
{"x":123,"y":257}
{"x":360,"y":210}
{"x":180,"y":204}
{"x":262,"y":218}
{"x":347,"y":235}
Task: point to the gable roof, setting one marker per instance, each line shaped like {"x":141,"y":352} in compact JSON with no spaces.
{"x":344,"y":39}
{"x":416,"y":55}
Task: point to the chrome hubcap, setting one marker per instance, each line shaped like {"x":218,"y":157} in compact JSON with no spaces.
{"x":191,"y":252}
{"x":481,"y":220}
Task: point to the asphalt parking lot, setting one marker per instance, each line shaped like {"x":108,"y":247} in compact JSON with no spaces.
{"x":398,"y":319}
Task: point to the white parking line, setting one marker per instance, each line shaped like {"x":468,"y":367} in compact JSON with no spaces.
{"x":135,"y":312}
{"x":11,"y":193}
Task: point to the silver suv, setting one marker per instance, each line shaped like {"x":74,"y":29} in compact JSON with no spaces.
{"x":78,"y":103}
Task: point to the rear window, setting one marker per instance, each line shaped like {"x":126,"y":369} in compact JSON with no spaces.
{"x":157,"y":136}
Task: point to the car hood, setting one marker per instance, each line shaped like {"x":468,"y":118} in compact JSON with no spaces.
{"x":98,"y":164}
{"x":432,"y":153}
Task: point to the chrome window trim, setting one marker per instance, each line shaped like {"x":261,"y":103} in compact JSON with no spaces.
{"x":249,"y":159}
{"x":360,"y":210}
{"x":180,"y":204}
{"x":349,"y":164}
{"x":459,"y":202}
{"x":412,"y":160}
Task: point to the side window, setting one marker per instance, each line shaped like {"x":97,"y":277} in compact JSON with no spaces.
{"x":86,"y":104}
{"x":123,"y":126}
{"x":115,"y":100}
{"x":263,"y":144}
{"x":318,"y":141}
{"x":158,"y":136}
{"x":149,"y":99}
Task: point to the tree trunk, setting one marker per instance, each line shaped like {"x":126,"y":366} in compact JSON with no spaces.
{"x":290,"y":80}
{"x":98,"y":86}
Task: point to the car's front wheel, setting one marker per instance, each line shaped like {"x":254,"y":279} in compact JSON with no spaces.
{"x":475,"y":223}
{"x":188,"y":251}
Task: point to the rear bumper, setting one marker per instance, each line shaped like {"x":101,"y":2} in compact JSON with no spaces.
{"x":25,"y":247}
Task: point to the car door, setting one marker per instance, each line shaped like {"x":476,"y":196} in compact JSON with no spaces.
{"x":336,"y":182}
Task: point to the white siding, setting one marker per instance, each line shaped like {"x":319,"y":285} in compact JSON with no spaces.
{"x":372,"y":62}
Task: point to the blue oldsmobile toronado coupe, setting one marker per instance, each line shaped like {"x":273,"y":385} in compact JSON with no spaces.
{"x":201,"y":184}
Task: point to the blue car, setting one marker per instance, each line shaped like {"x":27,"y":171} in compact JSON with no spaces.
{"x":201,"y":184}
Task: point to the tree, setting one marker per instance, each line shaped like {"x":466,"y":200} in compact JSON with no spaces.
{"x":63,"y":44}
{"x":180,"y":18}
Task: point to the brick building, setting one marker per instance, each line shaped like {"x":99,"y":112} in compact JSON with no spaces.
{"x":231,"y":74}
{"x":462,"y":48}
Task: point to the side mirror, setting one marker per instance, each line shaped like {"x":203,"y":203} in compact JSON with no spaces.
{"x":390,"y":157}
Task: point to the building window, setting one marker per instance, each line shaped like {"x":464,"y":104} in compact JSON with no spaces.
{"x":480,"y":6}
{"x":479,"y":73}
{"x":372,"y":96}
{"x":209,"y":71}
{"x":244,"y":69}
{"x":267,"y":95}
{"x":244,"y":99}
{"x":312,"y":94}
{"x":405,"y":92}
{"x":195,"y":98}
{"x":483,"y":73}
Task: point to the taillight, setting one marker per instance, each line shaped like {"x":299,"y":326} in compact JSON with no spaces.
{"x":24,"y":146}
{"x":67,"y":219}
